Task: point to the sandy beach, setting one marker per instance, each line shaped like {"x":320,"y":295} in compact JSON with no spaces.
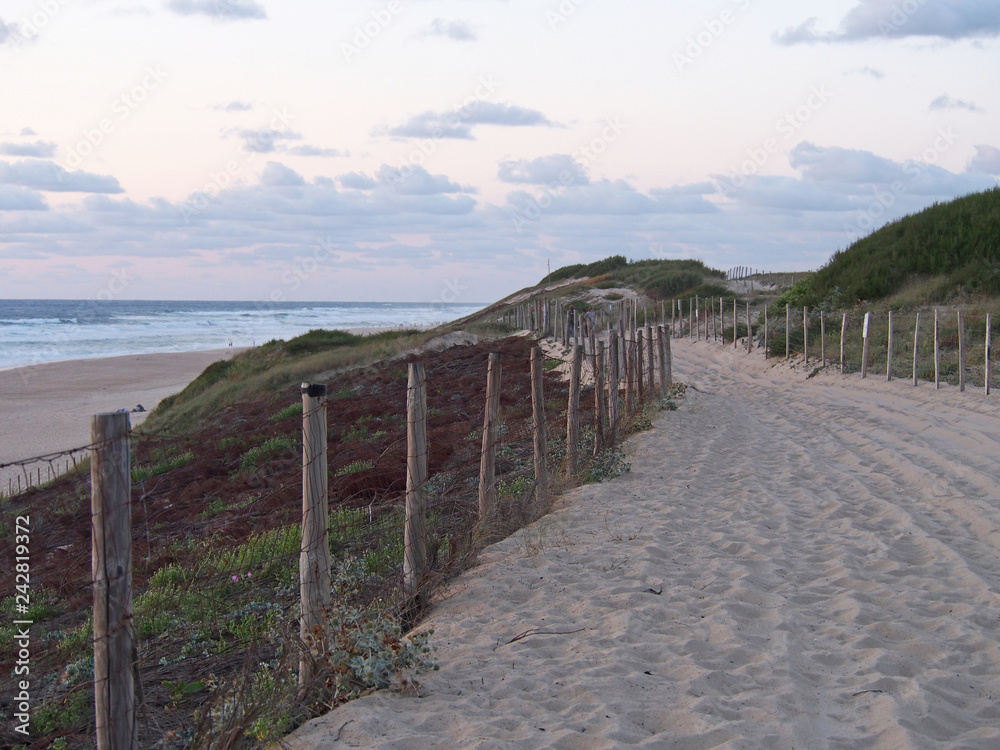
{"x":47,"y":407}
{"x":791,"y":563}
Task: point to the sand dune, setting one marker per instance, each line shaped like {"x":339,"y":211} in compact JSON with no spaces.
{"x":791,"y":563}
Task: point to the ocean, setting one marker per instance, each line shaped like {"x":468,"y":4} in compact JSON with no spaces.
{"x":37,"y":331}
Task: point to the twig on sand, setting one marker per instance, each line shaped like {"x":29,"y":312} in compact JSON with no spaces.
{"x":862,"y":692}
{"x":535,"y":631}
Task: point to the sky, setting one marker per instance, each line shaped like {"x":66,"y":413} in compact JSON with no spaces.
{"x":455,"y":150}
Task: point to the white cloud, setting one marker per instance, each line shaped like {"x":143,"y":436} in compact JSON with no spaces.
{"x":308,"y":150}
{"x":891,"y":19}
{"x":946,"y":102}
{"x":49,"y":176}
{"x":278,"y":175}
{"x":41,"y":149}
{"x":15,"y":198}
{"x":545,"y":170}
{"x":986,"y":160}
{"x":459,"y":31}
{"x":459,"y":123}
{"x":219,"y":10}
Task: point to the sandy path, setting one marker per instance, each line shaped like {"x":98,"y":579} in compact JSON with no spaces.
{"x":791,"y":563}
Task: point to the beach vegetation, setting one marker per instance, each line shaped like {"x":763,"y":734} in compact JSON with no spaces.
{"x":163,"y":460}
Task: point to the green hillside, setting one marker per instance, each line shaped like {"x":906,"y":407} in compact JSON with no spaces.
{"x":946,"y":250}
{"x":660,"y":279}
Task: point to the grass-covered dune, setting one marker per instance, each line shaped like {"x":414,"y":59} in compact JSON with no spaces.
{"x":946,"y":251}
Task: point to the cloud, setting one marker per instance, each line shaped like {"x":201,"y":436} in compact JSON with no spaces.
{"x":266,"y":140}
{"x":28,"y":132}
{"x":415,"y":180}
{"x":986,"y":160}
{"x":233,"y":106}
{"x":14,"y":198}
{"x":459,"y":123}
{"x":219,"y":10}
{"x":878,"y":75}
{"x":356,"y":181}
{"x":946,"y":102}
{"x":605,"y":197}
{"x":545,"y":170}
{"x":842,"y":165}
{"x":891,"y":19}
{"x":278,"y":175}
{"x":459,"y":31}
{"x":42,"y":149}
{"x":316,"y":151}
{"x":8,"y":31}
{"x":46,"y":175}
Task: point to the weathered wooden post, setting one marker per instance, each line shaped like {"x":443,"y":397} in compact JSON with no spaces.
{"x":736,"y":322}
{"x":629,"y":358}
{"x":888,"y":358}
{"x":937,"y":351}
{"x":668,"y":366}
{"x":487,"y":461}
{"x":822,"y":337}
{"x":415,"y":532}
{"x":843,"y":344}
{"x":989,"y":346}
{"x":538,"y":422}
{"x":599,"y":407}
{"x":111,"y":563}
{"x":864,"y":350}
{"x":662,"y":354}
{"x":961,"y":352}
{"x":722,"y":322}
{"x":639,"y":365}
{"x":749,"y":331}
{"x":805,"y":333}
{"x":614,"y":382}
{"x":767,"y":354}
{"x":916,"y":347}
{"x":573,"y":415}
{"x":314,"y":554}
{"x":651,"y":372}
{"x":788,"y":331}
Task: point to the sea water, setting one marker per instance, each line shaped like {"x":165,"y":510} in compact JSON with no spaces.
{"x":36,"y":331}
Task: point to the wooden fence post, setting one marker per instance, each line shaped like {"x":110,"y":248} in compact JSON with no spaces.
{"x":668,"y":369}
{"x":111,"y":562}
{"x":661,"y":332}
{"x":599,"y":385}
{"x":651,"y":373}
{"x":843,"y":349}
{"x":314,"y":554}
{"x":749,"y":331}
{"x":736,"y":324}
{"x":722,"y":315}
{"x":629,"y":358}
{"x":961,"y":352}
{"x":888,"y":354}
{"x":822,"y":337}
{"x":487,"y":461}
{"x":614,"y":382}
{"x":640,"y":365}
{"x":989,"y":346}
{"x":573,"y":415}
{"x":538,"y":422}
{"x":864,"y":350}
{"x":916,"y":347}
{"x":805,"y":333}
{"x":767,"y":354}
{"x":788,"y":331}
{"x":937,"y":351}
{"x":415,"y":532}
